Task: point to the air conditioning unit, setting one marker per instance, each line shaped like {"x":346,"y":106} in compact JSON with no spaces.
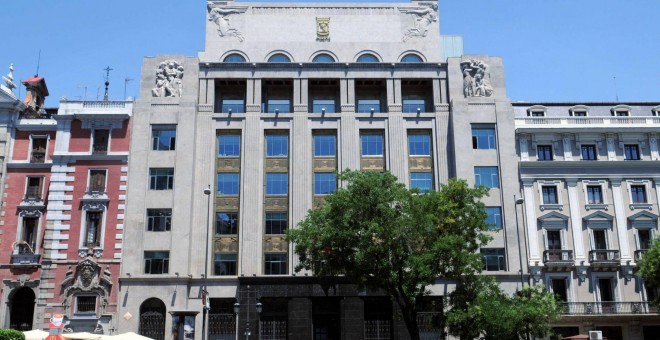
{"x":595,"y":335}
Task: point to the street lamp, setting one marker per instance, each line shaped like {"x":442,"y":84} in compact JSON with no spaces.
{"x":247,"y":294}
{"x":205,"y":293}
{"x":519,"y":201}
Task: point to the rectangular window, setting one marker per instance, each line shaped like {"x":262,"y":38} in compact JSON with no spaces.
{"x":325,"y":145}
{"x":34,"y":187}
{"x":638,"y":193}
{"x":100,"y":143}
{"x":588,"y":152}
{"x":97,"y":180}
{"x":85,"y":304}
{"x":600,"y":239}
{"x":161,"y":179}
{"x":324,"y":183}
{"x":419,"y":144}
{"x":163,"y":138}
{"x":494,"y":218}
{"x":560,"y":290}
{"x":156,"y":262}
{"x":493,"y":259}
{"x":228,"y":184}
{"x":29,"y":235}
{"x":537,"y":114}
{"x":549,"y":194}
{"x":644,"y":236}
{"x":594,"y":194}
{"x":159,"y":219}
{"x":323,"y":105}
{"x":226,"y":223}
{"x":483,"y":138}
{"x":372,"y":144}
{"x":621,"y":113}
{"x":229,"y":146}
{"x":276,"y":223}
{"x":421,"y":180}
{"x":277,"y":183}
{"x":233,"y":106}
{"x":544,"y":152}
{"x":413,"y":105}
{"x":38,"y":154}
{"x":224,"y":264}
{"x":278,"y":105}
{"x":93,"y":229}
{"x":631,"y":152}
{"x":486,"y":176}
{"x":277,"y":145}
{"x":275,"y":264}
{"x":368,"y":105}
{"x":579,"y":114}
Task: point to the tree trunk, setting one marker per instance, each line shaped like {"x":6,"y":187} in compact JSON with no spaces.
{"x":409,"y":317}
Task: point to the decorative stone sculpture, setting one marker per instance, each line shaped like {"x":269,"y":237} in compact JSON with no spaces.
{"x":475,"y":83}
{"x":423,"y":17}
{"x":322,"y":28}
{"x":169,"y":81}
{"x":220,"y":16}
{"x":9,"y":78}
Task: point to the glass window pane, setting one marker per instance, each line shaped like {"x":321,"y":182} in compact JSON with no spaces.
{"x":235,"y":105}
{"x":278,"y":105}
{"x":419,"y":145}
{"x":486,"y":176}
{"x":275,"y":264}
{"x":323,"y":58}
{"x":279,"y":58}
{"x":163,"y":138}
{"x":224,"y":264}
{"x":494,"y":218}
{"x":411,"y":58}
{"x":325,"y":145}
{"x":367,"y":105}
{"x":319,"y":105}
{"x":277,"y":183}
{"x":483,"y":138}
{"x":372,"y":145}
{"x":276,"y":223}
{"x":229,"y":145}
{"x":413,"y":105}
{"x":226,"y":223}
{"x":277,"y":145}
{"x":324,"y":183}
{"x":367,"y":58}
{"x":421,"y":180}
{"x":234,"y":58}
{"x":228,"y":184}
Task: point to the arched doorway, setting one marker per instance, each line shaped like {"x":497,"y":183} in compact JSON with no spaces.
{"x":152,"y":319}
{"x":22,"y":309}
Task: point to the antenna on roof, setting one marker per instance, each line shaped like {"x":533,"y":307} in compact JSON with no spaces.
{"x":616,"y":91}
{"x":107,"y":82}
{"x":126,"y":80}
{"x":38,"y":63}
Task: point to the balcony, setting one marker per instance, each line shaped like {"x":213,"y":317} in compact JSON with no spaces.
{"x":100,"y":149}
{"x":38,"y":157}
{"x":604,"y":255}
{"x":558,"y":258}
{"x":608,"y":308}
{"x":639,"y":254}
{"x":535,"y":124}
{"x":24,"y":254}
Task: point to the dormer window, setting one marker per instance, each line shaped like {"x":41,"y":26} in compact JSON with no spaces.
{"x":578,"y":111}
{"x":536,"y":111}
{"x":620,"y":111}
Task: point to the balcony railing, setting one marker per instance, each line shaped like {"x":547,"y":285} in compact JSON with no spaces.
{"x":580,"y":122}
{"x":558,"y":255}
{"x":603,"y":256}
{"x":38,"y":157}
{"x":96,"y":189}
{"x":608,"y":308}
{"x":100,"y":149}
{"x":222,"y":326}
{"x":639,"y":254}
{"x":24,"y":254}
{"x":377,"y":330}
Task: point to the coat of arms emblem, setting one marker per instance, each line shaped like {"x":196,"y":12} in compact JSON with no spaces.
{"x":322,"y":28}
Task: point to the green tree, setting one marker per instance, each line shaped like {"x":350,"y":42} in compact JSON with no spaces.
{"x":649,"y":267}
{"x":11,"y":334}
{"x":383,"y":236}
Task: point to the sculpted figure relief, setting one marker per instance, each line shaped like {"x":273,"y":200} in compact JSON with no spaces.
{"x":475,"y":83}
{"x":424,"y":16}
{"x":169,"y":82}
{"x":220,"y":16}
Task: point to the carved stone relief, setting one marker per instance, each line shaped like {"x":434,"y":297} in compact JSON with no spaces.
{"x":420,"y":163}
{"x":325,"y":164}
{"x":277,"y":203}
{"x":323,"y":28}
{"x":169,"y":79}
{"x":423,"y":17}
{"x":275,"y":244}
{"x":220,"y":17}
{"x":372,"y":163}
{"x":226,"y":244}
{"x":88,"y":278}
{"x":475,"y":79}
{"x":229,"y":164}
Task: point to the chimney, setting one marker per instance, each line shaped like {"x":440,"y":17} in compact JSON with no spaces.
{"x":35,"y":94}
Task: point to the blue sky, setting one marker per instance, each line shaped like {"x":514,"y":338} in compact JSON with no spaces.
{"x":553,"y":50}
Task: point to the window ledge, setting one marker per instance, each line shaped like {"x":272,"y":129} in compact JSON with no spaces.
{"x":594,"y":206}
{"x":645,"y":206}
{"x":544,"y":207}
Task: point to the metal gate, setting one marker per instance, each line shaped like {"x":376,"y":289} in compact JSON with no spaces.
{"x":152,"y":325}
{"x":222,"y":326}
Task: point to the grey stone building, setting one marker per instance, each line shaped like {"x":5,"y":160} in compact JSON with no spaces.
{"x":231,"y":148}
{"x":589,"y":173}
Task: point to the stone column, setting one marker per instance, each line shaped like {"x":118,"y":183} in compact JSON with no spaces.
{"x":576,"y":220}
{"x":621,"y":224}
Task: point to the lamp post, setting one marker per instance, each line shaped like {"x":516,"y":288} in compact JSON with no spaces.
{"x":247,"y":294}
{"x":518,"y":201}
{"x":205,"y":294}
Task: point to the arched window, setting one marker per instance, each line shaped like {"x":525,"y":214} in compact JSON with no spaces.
{"x":152,"y":319}
{"x":279,"y":58}
{"x":234,"y":58}
{"x":323,"y":58}
{"x":367,"y":58}
{"x":411,"y":58}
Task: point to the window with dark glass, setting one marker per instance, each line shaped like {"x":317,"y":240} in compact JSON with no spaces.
{"x":638,"y":193}
{"x":34,"y":187}
{"x":163,"y":138}
{"x":494,"y":218}
{"x":100,"y":143}
{"x":367,"y":58}
{"x":594,"y":194}
{"x":644,"y":236}
{"x":93,"y":229}
{"x":228,"y":183}
{"x":579,"y":114}
{"x":226,"y":223}
{"x":544,"y":152}
{"x":537,"y":114}
{"x":159,"y":219}
{"x":277,"y":145}
{"x":372,"y":144}
{"x":229,"y":145}
{"x":277,"y":183}
{"x":493,"y":259}
{"x":483,"y":138}
{"x":29,"y":235}
{"x":549,"y":194}
{"x":419,"y":144}
{"x":423,"y":181}
{"x":588,"y":152}
{"x":39,"y":145}
{"x":486,"y":176}
{"x":224,"y":264}
{"x":621,"y":113}
{"x":97,"y":180}
{"x":324,"y":183}
{"x":156,"y":262}
{"x":161,"y":178}
{"x":85,"y":304}
{"x":275,"y":264}
{"x":323,"y":58}
{"x":234,"y":58}
{"x":631,"y":151}
{"x":276,"y":223}
{"x":325,"y":145}
{"x":411,"y":58}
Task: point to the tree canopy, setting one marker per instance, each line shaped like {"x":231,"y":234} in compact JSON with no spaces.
{"x":649,"y":268}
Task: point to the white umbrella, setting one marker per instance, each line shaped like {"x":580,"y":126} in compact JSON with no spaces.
{"x":81,"y":336}
{"x":125,"y":336}
{"x":36,"y":334}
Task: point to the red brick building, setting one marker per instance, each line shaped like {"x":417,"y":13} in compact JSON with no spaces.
{"x":62,"y":213}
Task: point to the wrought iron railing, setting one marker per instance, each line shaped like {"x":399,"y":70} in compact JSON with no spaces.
{"x":222,"y":326}
{"x":272,"y":330}
{"x":603,"y":255}
{"x":38,"y":157}
{"x":96,"y":188}
{"x":557,"y":255}
{"x":100,"y":149}
{"x":608,"y":307}
{"x":377,"y":330}
{"x":152,"y":325}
